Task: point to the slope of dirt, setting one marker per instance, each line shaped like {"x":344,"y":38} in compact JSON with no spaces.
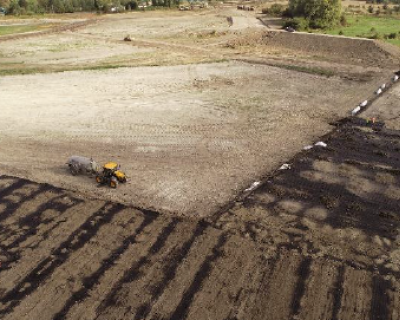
{"x":386,"y":109}
{"x":318,"y":241}
{"x":334,"y":48}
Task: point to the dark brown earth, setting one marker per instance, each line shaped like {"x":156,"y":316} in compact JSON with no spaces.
{"x":318,"y":241}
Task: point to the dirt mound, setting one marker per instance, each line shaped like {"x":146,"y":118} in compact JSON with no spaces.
{"x":352,"y":50}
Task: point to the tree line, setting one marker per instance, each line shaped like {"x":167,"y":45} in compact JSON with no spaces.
{"x":18,"y":7}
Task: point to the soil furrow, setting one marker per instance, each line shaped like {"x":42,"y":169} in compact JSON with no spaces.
{"x":317,"y":302}
{"x":44,"y":269}
{"x":85,"y":260}
{"x":89,"y":307}
{"x":169,"y":270}
{"x":186,"y":272}
{"x":226,"y":280}
{"x":356,"y":294}
{"x":43,"y":248}
{"x":303,"y":273}
{"x":338,"y":292}
{"x":276,"y":291}
{"x":380,"y":301}
{"x":93,"y":279}
{"x":117,"y":293}
{"x":182,"y":309}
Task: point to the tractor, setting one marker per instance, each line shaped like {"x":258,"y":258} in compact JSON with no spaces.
{"x":111,"y":175}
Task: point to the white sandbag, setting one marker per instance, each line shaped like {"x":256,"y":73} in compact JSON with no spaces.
{"x":355,"y":111}
{"x":321,"y":144}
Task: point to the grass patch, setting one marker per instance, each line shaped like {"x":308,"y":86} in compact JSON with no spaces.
{"x":19,"y":70}
{"x":369,"y":26}
{"x":6,"y":30}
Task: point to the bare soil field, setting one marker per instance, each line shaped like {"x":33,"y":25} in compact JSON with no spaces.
{"x":189,"y":137}
{"x":310,"y":243}
{"x":196,"y":111}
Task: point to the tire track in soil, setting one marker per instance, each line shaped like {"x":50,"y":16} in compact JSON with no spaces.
{"x":380,"y":301}
{"x":169,"y":271}
{"x":218,"y":291}
{"x":337,"y":293}
{"x":317,"y":302}
{"x":276,"y":289}
{"x":89,"y":282}
{"x":187,"y":270}
{"x":66,"y":280}
{"x":33,"y":220}
{"x":29,"y":259}
{"x":113,"y":298}
{"x":11,"y":206}
{"x":303,"y":274}
{"x":44,"y":269}
{"x":11,"y":227}
{"x":11,"y":230}
{"x":88,"y":308}
{"x":182,"y":309}
{"x":356,"y":294}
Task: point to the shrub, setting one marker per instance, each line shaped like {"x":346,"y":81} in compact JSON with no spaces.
{"x":376,"y":35}
{"x":341,"y":33}
{"x":320,"y":13}
{"x":392,"y":35}
{"x":343,"y":20}
{"x":276,"y":9}
{"x":296,"y":23}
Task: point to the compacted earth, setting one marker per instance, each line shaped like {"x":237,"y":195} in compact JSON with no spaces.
{"x":201,"y":114}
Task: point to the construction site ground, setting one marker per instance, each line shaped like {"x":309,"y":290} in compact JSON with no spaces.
{"x":196,"y":111}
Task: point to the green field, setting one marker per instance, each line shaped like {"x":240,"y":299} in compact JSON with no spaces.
{"x":4,"y":30}
{"x":369,"y":26}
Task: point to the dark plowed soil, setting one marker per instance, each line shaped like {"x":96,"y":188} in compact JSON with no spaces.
{"x":318,"y":241}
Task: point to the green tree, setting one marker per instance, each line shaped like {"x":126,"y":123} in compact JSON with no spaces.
{"x":68,"y":6}
{"x":58,"y":6}
{"x":23,"y":3}
{"x":14,"y":8}
{"x":319,"y":13}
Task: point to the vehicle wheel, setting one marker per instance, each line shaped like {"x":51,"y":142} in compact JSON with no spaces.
{"x":122,"y":180}
{"x":114,"y":183}
{"x":99,"y":179}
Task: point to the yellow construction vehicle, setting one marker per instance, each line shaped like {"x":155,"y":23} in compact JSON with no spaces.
{"x":111,"y":175}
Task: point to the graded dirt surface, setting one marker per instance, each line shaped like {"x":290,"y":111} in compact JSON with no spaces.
{"x":189,"y":137}
{"x":318,"y":241}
